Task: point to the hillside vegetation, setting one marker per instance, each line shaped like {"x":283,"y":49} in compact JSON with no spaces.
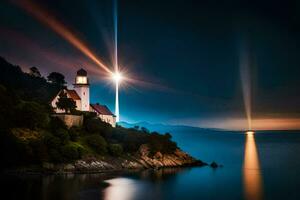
{"x":30,"y":135}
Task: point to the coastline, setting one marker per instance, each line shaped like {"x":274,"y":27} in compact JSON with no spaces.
{"x":140,"y":161}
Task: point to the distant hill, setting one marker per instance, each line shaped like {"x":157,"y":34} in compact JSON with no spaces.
{"x":164,"y":128}
{"x":167,"y":128}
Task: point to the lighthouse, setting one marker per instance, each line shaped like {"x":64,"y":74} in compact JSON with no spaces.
{"x":82,"y":87}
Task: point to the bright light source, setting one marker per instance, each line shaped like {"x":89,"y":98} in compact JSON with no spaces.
{"x":117,"y":77}
{"x":250,"y":132}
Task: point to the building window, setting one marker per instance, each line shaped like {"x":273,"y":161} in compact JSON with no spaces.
{"x":81,"y":80}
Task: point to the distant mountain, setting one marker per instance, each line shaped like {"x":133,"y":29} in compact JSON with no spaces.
{"x":163,"y":128}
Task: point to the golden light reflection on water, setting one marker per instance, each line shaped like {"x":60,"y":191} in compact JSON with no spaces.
{"x":253,"y":188}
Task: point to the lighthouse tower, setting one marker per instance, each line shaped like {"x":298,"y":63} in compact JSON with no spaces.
{"x":82,"y":87}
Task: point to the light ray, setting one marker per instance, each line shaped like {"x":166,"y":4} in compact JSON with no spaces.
{"x":116,"y":76}
{"x":116,"y":35}
{"x":246,"y":84}
{"x":44,"y":17}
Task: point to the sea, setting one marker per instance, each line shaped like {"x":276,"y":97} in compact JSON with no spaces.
{"x":260,"y":165}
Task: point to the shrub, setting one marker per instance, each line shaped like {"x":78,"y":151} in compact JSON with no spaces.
{"x":95,"y":125}
{"x":31,"y":115}
{"x":63,"y":135}
{"x":70,"y":152}
{"x":55,"y":156}
{"x":76,"y":112}
{"x":97,"y":143}
{"x":79,"y":148}
{"x":39,"y":150}
{"x":52,"y":141}
{"x":115,"y":149}
{"x":88,"y":115}
{"x":74,"y":133}
{"x":56,"y":123}
{"x":161,"y":143}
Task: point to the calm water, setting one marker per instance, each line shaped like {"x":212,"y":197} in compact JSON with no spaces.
{"x":263,"y":166}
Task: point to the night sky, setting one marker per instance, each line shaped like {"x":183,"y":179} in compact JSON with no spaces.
{"x":185,"y":54}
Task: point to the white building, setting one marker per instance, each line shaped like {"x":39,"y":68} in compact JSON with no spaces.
{"x":81,"y":95}
{"x":103,"y":113}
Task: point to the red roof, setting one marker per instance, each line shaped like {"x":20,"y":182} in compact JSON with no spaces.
{"x":101,"y":109}
{"x":73,"y":94}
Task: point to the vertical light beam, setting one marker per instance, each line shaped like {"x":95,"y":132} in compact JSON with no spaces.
{"x":246,"y":84}
{"x":117,"y":103}
{"x":116,"y":35}
{"x":117,"y":112}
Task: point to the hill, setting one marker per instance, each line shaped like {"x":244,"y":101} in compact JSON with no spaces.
{"x":30,"y":135}
{"x":165,"y":128}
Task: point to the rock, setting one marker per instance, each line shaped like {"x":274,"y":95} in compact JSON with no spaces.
{"x":81,"y":164}
{"x":48,"y":166}
{"x":131,"y":165}
{"x":214,"y":165}
{"x":144,"y":150}
{"x":158,"y":155}
{"x":199,"y":163}
{"x":139,"y":160}
{"x":69,"y":167}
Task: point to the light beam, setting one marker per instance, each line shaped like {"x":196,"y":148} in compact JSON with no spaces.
{"x":44,"y":17}
{"x":117,"y":112}
{"x":116,"y":76}
{"x":246,"y":84}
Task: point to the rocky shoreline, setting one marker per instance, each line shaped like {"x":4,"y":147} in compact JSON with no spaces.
{"x":142,"y":160}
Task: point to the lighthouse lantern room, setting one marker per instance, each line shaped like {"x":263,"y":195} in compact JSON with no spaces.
{"x":82,"y":88}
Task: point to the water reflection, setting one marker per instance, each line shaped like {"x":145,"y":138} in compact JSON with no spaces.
{"x":144,"y":185}
{"x":121,"y":188}
{"x":251,"y":171}
{"x":130,"y":189}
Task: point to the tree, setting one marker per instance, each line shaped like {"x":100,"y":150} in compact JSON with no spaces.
{"x":7,"y":108}
{"x":97,"y":143}
{"x":161,"y":143}
{"x":32,"y":115}
{"x":65,"y":103}
{"x":56,"y":78}
{"x":74,"y":133}
{"x":70,"y":152}
{"x":145,"y":130}
{"x":115,"y":149}
{"x":35,"y":72}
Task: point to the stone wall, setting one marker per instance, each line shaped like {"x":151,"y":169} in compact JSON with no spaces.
{"x":70,"y":120}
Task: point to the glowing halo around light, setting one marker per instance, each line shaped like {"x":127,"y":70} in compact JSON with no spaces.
{"x":117,"y":77}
